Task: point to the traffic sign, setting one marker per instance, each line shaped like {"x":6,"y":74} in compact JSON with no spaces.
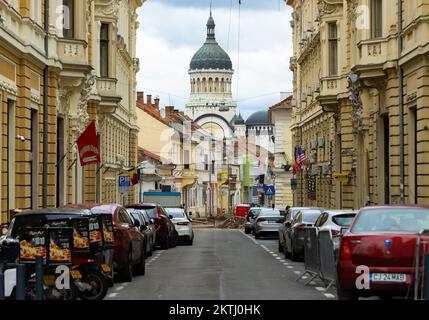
{"x":124,"y":184}
{"x":270,"y":190}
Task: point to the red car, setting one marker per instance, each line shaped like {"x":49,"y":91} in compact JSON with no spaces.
{"x":379,"y":251}
{"x":166,"y":234}
{"x":130,"y":246}
{"x":241,"y":210}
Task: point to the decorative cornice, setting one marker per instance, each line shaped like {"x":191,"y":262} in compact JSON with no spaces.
{"x":8,"y":87}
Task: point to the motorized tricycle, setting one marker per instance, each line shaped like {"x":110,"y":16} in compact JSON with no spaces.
{"x":84,"y":256}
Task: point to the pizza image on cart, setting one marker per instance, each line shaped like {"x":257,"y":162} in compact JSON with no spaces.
{"x":29,"y":251}
{"x":108,"y":235}
{"x":79,"y":241}
{"x":59,"y":254}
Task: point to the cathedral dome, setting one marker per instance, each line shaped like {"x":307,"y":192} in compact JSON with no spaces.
{"x":258,"y":118}
{"x":211,"y":55}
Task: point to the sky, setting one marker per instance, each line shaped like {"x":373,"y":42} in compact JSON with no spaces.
{"x":171,"y":31}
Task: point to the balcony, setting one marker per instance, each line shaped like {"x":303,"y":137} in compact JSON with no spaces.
{"x":373,"y":54}
{"x":331,"y":88}
{"x":72,"y":51}
{"x":107,"y":90}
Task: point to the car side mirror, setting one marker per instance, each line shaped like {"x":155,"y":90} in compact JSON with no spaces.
{"x":171,"y":217}
{"x":152,"y":220}
{"x":137,"y":224}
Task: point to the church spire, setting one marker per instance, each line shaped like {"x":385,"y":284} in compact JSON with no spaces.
{"x":211,"y":26}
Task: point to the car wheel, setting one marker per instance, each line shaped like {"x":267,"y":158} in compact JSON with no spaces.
{"x":165,"y":245}
{"x":257,"y":236}
{"x":293,"y":254}
{"x":281,"y":248}
{"x":127,"y":272}
{"x":247,"y":231}
{"x":174,"y":240}
{"x":150,"y":254}
{"x":141,"y":267}
{"x":286,"y":252}
{"x":345,"y":295}
{"x":190,"y":241}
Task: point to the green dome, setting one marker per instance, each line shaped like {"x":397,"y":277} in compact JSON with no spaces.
{"x":211,"y":55}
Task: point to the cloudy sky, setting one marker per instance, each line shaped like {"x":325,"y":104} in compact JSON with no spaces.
{"x":171,"y":31}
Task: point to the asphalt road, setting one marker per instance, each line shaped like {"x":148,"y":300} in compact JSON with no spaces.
{"x":221,"y":265}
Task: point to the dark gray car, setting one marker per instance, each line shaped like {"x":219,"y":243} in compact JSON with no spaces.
{"x":295,"y":232}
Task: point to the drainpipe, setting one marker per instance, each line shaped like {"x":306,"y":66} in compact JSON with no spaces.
{"x":45,"y":112}
{"x":401,"y":107}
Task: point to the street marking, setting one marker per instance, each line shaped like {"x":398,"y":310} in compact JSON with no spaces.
{"x":119,"y":288}
{"x":278,"y":258}
{"x":305,"y":277}
{"x":329,"y":295}
{"x":320,"y":289}
{"x":290,"y":267}
{"x":297,"y":272}
{"x":282,"y":260}
{"x":275,"y":255}
{"x":113,"y":295}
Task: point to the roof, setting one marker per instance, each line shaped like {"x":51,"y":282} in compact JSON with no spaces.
{"x":95,"y":207}
{"x":237,"y":120}
{"x":211,"y":55}
{"x":146,"y":153}
{"x":56,"y":211}
{"x":284,"y":104}
{"x":259,"y":118}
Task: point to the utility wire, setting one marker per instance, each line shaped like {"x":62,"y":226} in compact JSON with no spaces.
{"x":238,"y":50}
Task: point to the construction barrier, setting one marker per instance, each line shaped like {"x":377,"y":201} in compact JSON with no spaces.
{"x":319,"y":256}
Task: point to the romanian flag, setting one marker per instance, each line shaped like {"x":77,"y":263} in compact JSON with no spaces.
{"x":134,"y":176}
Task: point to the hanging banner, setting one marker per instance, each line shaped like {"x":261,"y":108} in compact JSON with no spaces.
{"x":87,"y":143}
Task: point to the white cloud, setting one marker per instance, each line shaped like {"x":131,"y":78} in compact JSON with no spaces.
{"x":169,"y":36}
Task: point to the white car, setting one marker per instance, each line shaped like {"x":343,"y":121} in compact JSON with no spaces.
{"x":183,"y":224}
{"x":335,"y":221}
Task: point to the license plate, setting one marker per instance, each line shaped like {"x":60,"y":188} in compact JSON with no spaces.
{"x":388,"y":277}
{"x":76,"y":274}
{"x":105,"y":268}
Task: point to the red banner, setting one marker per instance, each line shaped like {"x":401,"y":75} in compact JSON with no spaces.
{"x":87,"y":143}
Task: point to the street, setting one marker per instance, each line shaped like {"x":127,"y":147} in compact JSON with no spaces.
{"x":221,"y":265}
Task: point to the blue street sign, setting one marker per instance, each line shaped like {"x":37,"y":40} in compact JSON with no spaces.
{"x":270,"y":190}
{"x":124,"y":184}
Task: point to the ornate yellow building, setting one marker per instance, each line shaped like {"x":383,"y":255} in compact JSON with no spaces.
{"x":63,"y":63}
{"x":361,"y":111}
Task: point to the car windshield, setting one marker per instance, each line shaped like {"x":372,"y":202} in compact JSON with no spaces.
{"x":310,"y":216}
{"x":176,"y":213}
{"x":392,"y":220}
{"x":344,"y":220}
{"x":151,"y":212}
{"x":294,"y":211}
{"x":270,"y":212}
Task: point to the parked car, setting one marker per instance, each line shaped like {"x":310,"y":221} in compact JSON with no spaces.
{"x":295,"y":232}
{"x":144,"y":228}
{"x":250,"y":219}
{"x":268,"y":222}
{"x":384,"y":240}
{"x":289,"y":216}
{"x":130,"y":249}
{"x":182,"y":223}
{"x":335,"y":221}
{"x":166,"y":234}
{"x":241,"y":210}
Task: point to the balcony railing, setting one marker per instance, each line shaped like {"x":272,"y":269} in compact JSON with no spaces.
{"x":72,"y":51}
{"x":373,"y":52}
{"x":107,"y":87}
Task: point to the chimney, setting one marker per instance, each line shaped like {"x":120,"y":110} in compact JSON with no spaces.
{"x":157,"y":103}
{"x":149,"y":100}
{"x":140,"y":96}
{"x":169,"y":110}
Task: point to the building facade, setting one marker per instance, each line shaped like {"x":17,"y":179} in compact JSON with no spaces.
{"x":360,"y":77}
{"x":60,"y":69}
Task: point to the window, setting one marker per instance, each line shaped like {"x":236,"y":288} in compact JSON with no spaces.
{"x":206,"y":163}
{"x":186,"y":160}
{"x":376,"y":18}
{"x":104,"y":50}
{"x":68,"y":18}
{"x":11,"y":153}
{"x":36,"y":11}
{"x":333,"y":49}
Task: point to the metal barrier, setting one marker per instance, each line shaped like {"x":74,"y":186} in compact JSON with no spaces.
{"x":311,"y":254}
{"x":421,"y":274}
{"x":327,"y":258}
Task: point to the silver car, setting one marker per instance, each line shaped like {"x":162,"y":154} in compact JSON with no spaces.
{"x":250,"y":219}
{"x":335,"y":221}
{"x":268,"y":222}
{"x":183,"y":224}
